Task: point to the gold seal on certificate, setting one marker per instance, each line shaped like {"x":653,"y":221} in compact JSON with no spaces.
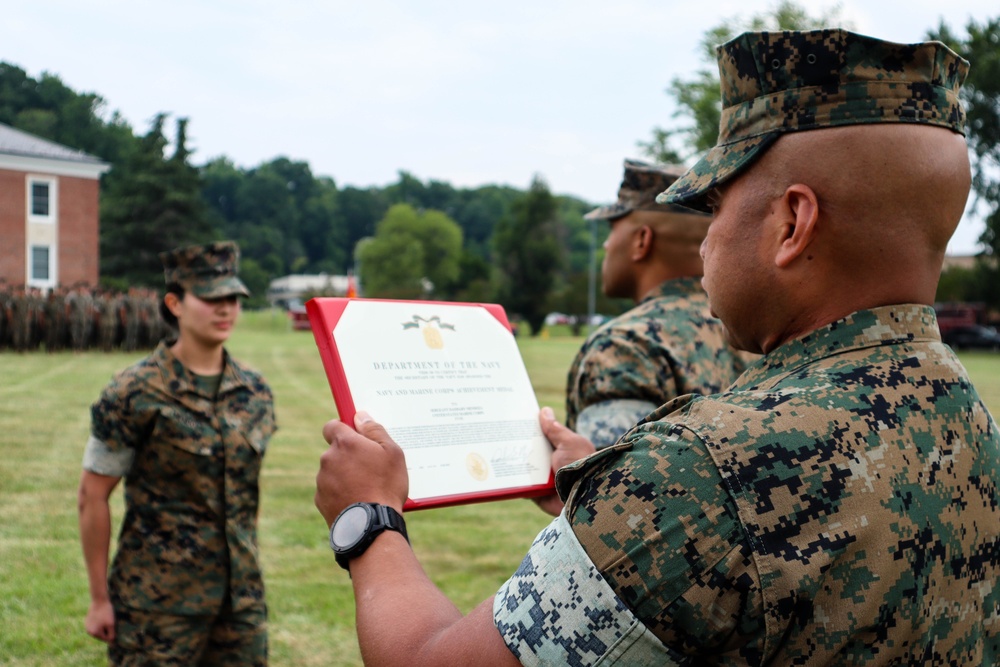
{"x":477,"y":466}
{"x":432,"y":337}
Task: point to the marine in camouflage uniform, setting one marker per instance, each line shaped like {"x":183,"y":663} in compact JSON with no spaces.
{"x":81,"y":317}
{"x":186,"y":585}
{"x":157,"y":326}
{"x":21,"y":320}
{"x":843,"y":472}
{"x":4,"y":314}
{"x":55,"y":320}
{"x":669,"y":344}
{"x":108,"y":324}
{"x":839,"y":504}
{"x":36,"y":309}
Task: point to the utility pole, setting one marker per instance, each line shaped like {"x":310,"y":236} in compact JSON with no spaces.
{"x":592,"y":278}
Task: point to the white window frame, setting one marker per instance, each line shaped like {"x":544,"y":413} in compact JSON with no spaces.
{"x":53,"y":185}
{"x":41,"y":282}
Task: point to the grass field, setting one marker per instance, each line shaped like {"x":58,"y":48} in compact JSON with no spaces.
{"x":44,"y":423}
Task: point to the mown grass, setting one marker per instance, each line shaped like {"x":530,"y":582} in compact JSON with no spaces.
{"x":44,"y":422}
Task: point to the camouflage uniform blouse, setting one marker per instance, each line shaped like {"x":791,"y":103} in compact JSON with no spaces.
{"x":667,"y":346}
{"x":838,"y":505}
{"x":189,"y":536}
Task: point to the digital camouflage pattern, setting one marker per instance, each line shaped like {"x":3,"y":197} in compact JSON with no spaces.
{"x":189,"y":536}
{"x":778,"y":82}
{"x":207,"y":271}
{"x":838,"y":505}
{"x":641,"y":184}
{"x":557,"y":609}
{"x":668,"y":345}
{"x":182,"y":641}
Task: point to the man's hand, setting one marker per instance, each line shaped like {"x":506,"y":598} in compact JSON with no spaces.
{"x":568,"y":447}
{"x":359,"y":466}
{"x":100,"y":621}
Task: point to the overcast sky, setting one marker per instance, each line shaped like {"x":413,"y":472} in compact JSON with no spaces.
{"x":459,"y":91}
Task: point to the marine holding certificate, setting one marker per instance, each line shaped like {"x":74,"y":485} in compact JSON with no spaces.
{"x":839,"y":504}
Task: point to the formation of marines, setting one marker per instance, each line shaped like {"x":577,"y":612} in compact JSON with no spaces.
{"x":79,"y":318}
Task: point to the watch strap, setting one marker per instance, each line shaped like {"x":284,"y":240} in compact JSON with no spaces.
{"x":384,"y":518}
{"x":392,"y":520}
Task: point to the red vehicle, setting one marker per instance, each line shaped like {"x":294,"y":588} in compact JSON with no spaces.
{"x":298,"y":316}
{"x":951,"y":316}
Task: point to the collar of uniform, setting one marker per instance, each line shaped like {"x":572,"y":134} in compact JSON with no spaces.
{"x":675,"y":287}
{"x":865,"y":328}
{"x":178,"y":377}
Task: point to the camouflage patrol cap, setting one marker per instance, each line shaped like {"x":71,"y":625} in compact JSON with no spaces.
{"x":207,"y":271}
{"x":640,"y":186}
{"x":778,"y":82}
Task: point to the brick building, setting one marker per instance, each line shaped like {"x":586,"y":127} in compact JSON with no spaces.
{"x":48,"y":212}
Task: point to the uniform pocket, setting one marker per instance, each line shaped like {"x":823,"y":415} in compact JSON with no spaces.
{"x":185,"y":430}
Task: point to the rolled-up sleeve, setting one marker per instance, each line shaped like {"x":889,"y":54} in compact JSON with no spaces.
{"x":101,"y":459}
{"x":557,"y":609}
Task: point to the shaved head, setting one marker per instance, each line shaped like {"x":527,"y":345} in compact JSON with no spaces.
{"x":887,"y":182}
{"x":645,"y":248}
{"x":840,"y":219}
{"x":677,"y":239}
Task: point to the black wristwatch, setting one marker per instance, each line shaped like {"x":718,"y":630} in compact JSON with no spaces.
{"x":358,"y":525}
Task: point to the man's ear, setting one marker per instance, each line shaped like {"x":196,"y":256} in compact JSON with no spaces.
{"x":642,"y":243}
{"x":799,"y":223}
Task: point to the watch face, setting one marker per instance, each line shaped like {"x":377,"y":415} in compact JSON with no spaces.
{"x":350,"y":527}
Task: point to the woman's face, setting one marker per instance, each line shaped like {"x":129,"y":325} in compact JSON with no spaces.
{"x":207,"y":321}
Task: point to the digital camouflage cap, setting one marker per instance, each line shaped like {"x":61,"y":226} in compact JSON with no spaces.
{"x":641,"y":184}
{"x":207,"y":271}
{"x":778,"y":82}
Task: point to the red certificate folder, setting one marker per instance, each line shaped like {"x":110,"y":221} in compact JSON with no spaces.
{"x":442,"y":369}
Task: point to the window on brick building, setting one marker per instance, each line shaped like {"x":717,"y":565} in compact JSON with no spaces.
{"x":42,"y":200}
{"x":40,"y":271}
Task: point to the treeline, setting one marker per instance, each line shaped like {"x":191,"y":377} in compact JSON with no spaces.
{"x":527,"y":249}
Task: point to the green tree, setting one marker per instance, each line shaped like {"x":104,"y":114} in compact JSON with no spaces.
{"x":412,"y":255}
{"x":268,"y":218}
{"x":528,"y":254}
{"x":221,"y":181}
{"x":359,"y":211}
{"x":390,"y":267}
{"x":478,"y":212}
{"x":47,"y":108}
{"x":257,"y":280}
{"x":981,"y":96}
{"x":474,"y":279}
{"x":699,"y":100}
{"x":322,"y":232}
{"x":976,"y":283}
{"x":151,"y":203}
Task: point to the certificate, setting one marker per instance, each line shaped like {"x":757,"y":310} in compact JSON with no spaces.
{"x":447,"y":382}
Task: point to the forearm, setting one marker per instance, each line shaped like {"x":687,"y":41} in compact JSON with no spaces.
{"x":404,"y":619}
{"x":95,"y":536}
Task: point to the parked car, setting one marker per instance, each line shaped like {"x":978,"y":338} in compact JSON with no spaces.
{"x":297,"y":315}
{"x":973,"y":337}
{"x":556,"y":318}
